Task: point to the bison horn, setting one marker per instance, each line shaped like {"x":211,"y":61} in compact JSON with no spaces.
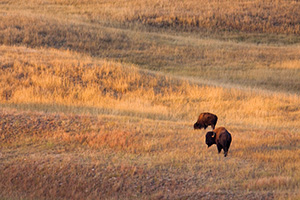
{"x":214,"y":134}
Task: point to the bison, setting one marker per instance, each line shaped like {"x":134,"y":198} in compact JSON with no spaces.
{"x":205,"y":120}
{"x":221,"y":137}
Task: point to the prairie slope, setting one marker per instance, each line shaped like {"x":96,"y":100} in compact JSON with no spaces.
{"x":256,"y":16}
{"x":272,"y":65}
{"x":45,"y":77}
{"x":53,"y":156}
{"x":78,"y":127}
{"x":98,"y":99}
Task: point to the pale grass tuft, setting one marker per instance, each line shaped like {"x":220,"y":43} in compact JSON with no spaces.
{"x":270,"y":182}
{"x":292,"y":64}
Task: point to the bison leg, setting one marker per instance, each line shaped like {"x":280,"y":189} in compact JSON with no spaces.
{"x":213,"y":126}
{"x":225,"y":151}
{"x":226,"y":148}
{"x":219,"y":148}
{"x":225,"y":154}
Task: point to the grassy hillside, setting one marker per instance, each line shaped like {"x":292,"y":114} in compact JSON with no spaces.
{"x":205,"y":56}
{"x":51,"y":77}
{"x":247,"y":16}
{"x":127,"y":133}
{"x":98,"y":99}
{"x":58,"y":156}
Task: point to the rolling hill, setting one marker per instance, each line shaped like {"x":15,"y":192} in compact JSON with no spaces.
{"x":98,"y":99}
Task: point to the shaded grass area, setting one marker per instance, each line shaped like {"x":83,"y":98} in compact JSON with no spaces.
{"x":85,"y":110}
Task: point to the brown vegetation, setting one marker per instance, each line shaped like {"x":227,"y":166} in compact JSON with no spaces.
{"x":98,"y":99}
{"x":265,"y":66}
{"x":280,"y":17}
{"x":269,"y":67}
{"x":130,"y":145}
{"x":64,"y":78}
{"x":58,"y":156}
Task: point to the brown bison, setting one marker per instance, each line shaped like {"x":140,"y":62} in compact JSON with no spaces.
{"x":205,"y":120}
{"x":221,"y":137}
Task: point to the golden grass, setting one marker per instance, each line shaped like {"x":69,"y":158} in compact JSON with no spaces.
{"x":247,"y":16}
{"x":82,"y":117}
{"x":183,"y":54}
{"x":47,"y":155}
{"x":62,"y":78}
{"x":293,"y":64}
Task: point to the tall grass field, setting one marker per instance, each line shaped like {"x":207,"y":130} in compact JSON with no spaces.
{"x":98,"y":99}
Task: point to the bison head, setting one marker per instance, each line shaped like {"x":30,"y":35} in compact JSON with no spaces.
{"x":210,"y":138}
{"x":197,"y":126}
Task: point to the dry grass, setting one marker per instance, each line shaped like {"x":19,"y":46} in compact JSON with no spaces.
{"x":278,"y":17}
{"x":63,"y":78}
{"x":83,"y":117}
{"x":205,"y":59}
{"x":135,"y":139}
{"x":50,"y":155}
